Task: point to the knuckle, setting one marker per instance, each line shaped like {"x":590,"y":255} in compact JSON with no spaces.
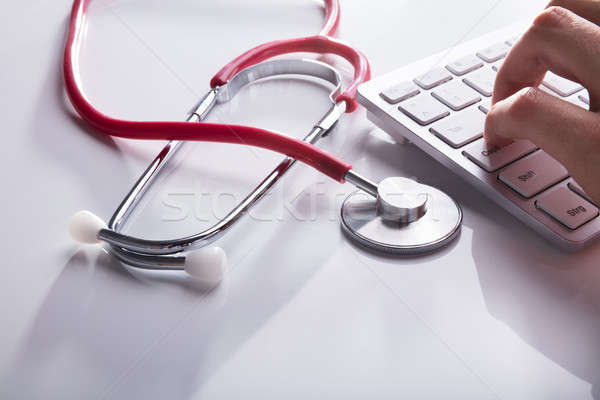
{"x":492,"y":118}
{"x":495,"y":122}
{"x":526,"y":102}
{"x":553,"y":17}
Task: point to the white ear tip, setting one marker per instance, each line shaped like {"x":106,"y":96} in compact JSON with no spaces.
{"x":84,"y":227}
{"x":207,"y":264}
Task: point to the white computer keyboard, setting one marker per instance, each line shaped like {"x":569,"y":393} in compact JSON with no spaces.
{"x":439,"y":104}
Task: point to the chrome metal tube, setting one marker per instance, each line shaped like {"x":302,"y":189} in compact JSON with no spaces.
{"x":362,"y":183}
{"x":164,"y":247}
{"x":158,"y":254}
{"x":153,"y":170}
{"x":161,"y":263}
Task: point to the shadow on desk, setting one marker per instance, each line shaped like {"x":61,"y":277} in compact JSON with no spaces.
{"x":550,"y":301}
{"x":104,"y":331}
{"x":549,"y":298}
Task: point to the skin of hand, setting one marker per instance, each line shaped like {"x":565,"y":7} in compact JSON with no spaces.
{"x":564,"y":39}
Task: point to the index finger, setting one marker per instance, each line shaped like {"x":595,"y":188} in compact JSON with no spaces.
{"x":559,"y":41}
{"x":588,"y":9}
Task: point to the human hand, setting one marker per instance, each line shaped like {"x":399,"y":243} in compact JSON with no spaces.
{"x":563,"y":39}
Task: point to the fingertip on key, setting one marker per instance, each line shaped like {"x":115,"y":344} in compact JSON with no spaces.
{"x":495,"y":125}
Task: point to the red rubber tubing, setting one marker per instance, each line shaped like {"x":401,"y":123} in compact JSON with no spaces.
{"x":332,"y":18}
{"x":210,"y":132}
{"x":313,"y":44}
{"x":322,"y":43}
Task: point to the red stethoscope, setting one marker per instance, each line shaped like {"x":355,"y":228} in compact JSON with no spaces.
{"x":393,"y":201}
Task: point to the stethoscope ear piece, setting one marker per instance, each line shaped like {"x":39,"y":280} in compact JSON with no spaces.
{"x":84,"y":227}
{"x":207,"y":264}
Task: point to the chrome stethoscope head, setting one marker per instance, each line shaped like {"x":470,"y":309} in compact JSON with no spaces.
{"x":404,"y":218}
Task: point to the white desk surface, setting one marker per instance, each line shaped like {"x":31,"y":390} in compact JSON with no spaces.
{"x":500,"y":314}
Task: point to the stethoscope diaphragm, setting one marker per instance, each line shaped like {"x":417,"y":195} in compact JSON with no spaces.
{"x":431,"y":219}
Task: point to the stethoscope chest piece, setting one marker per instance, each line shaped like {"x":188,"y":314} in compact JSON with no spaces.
{"x":406,"y":218}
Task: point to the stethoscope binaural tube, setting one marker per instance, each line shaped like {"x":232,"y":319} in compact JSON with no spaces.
{"x":191,"y":253}
{"x":86,"y":227}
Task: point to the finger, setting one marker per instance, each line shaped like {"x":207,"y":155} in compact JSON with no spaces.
{"x":565,"y":131}
{"x":559,"y":41}
{"x":588,"y":9}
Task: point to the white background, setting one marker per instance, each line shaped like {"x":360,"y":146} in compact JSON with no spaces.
{"x":302,"y":313}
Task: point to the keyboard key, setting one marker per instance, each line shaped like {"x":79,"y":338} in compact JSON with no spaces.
{"x":460,"y":129}
{"x":466,"y":64}
{"x":400,"y":92}
{"x":492,"y":158}
{"x":546,"y":90}
{"x":574,"y":100}
{"x":571,"y":99}
{"x":485,"y":107}
{"x":456,"y":95}
{"x":574,"y":186}
{"x":533,"y":174}
{"x":482,"y":81}
{"x":433,"y":78}
{"x":585,"y":97}
{"x":494,"y":52}
{"x":577,"y":101}
{"x":567,"y":207}
{"x":424,"y":109}
{"x":496,"y":66}
{"x":560,"y":85}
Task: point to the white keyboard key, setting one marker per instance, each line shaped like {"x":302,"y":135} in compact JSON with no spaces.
{"x":497,"y":65}
{"x":511,"y":42}
{"x":400,"y":92}
{"x":460,"y":129}
{"x":560,"y":85}
{"x":482,"y":81}
{"x":492,"y":158}
{"x":574,"y":186}
{"x":456,"y":95}
{"x":485,"y":107}
{"x":577,"y":101}
{"x":424,"y":109}
{"x":545,"y":89}
{"x":571,"y":99}
{"x":494,"y":52}
{"x":533,"y":174}
{"x":433,"y":78}
{"x":585,"y":97}
{"x":457,"y":141}
{"x":466,"y":64}
{"x":567,"y":207}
